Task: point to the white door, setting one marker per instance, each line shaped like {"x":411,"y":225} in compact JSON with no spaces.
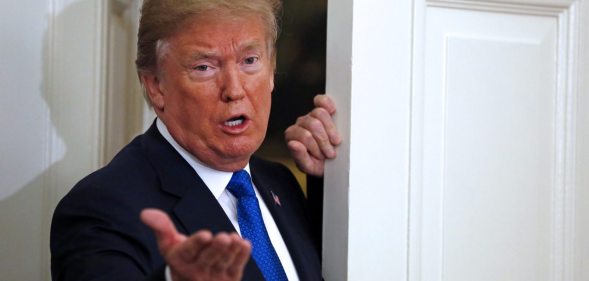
{"x":480,"y":142}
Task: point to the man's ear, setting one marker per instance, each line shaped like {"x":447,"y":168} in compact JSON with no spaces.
{"x":153,"y":90}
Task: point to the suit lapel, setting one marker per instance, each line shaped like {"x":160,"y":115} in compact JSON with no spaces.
{"x":289,"y":227}
{"x":196,"y":208}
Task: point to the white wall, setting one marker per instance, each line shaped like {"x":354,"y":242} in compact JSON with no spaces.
{"x":23,"y":120}
{"x":51,"y":80}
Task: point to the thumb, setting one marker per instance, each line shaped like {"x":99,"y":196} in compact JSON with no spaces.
{"x":165,"y":231}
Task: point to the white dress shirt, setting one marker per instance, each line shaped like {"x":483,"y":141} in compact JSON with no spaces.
{"x":217,"y":182}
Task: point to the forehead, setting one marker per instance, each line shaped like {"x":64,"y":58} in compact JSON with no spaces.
{"x":218,"y":31}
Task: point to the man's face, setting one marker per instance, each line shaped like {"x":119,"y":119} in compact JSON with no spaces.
{"x":213,"y":88}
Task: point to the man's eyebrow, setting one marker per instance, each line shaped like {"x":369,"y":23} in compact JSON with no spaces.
{"x":203,"y":55}
{"x":244,"y":47}
{"x":250,"y":46}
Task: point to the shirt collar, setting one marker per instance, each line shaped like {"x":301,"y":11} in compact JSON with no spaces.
{"x":215,"y":180}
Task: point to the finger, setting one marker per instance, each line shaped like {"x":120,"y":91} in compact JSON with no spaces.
{"x":328,"y":124}
{"x":224,"y":267}
{"x":324,"y":101}
{"x":165,"y":231}
{"x":193,"y":247}
{"x":214,"y":254}
{"x":232,"y":251}
{"x":236,"y":268}
{"x":183,"y":259}
{"x":317,"y":130}
{"x":305,"y":162}
{"x":302,"y":134}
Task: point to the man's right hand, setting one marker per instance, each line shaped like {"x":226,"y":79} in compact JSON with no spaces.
{"x":201,"y":256}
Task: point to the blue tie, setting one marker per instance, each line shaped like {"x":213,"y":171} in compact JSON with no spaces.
{"x":252,"y":227}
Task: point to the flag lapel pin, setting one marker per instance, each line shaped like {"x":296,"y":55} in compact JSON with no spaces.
{"x":276,"y":199}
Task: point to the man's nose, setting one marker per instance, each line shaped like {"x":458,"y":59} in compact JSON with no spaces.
{"x":232,"y":85}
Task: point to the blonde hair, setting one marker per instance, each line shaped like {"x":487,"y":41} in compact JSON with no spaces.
{"x":160,"y":19}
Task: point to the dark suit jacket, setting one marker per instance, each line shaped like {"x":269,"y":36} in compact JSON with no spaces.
{"x":96,"y":233}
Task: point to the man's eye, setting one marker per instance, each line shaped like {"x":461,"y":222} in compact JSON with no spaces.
{"x":251,"y":60}
{"x":201,"y":67}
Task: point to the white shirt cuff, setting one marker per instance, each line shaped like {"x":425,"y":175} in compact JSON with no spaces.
{"x":168,"y":274}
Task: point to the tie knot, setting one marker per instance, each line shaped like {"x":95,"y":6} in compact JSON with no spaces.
{"x":240,"y":184}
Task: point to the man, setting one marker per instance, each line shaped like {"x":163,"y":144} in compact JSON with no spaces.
{"x":207,"y":68}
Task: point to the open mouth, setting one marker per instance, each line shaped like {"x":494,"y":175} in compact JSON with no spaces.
{"x":236,"y":121}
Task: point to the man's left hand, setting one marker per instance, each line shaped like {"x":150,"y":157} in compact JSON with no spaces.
{"x":314,"y":137}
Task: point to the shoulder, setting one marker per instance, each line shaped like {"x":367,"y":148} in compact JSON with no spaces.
{"x":127,"y":172}
{"x":260,"y":165}
{"x":278,"y":179}
{"x":101,"y":213}
{"x":273,"y":172}
{"x":115,"y":194}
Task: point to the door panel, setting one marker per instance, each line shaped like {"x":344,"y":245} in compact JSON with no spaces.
{"x":478,"y":168}
{"x":498,"y":161}
{"x":492,"y":122}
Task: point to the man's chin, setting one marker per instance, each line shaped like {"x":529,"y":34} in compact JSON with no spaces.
{"x":237,"y":148}
{"x":230,"y":165}
{"x":232,"y":158}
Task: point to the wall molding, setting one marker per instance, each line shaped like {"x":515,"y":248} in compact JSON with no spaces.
{"x":75,"y":71}
{"x":539,"y":8}
{"x":566,"y":127}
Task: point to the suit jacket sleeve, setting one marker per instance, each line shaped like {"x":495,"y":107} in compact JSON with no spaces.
{"x":88,"y":241}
